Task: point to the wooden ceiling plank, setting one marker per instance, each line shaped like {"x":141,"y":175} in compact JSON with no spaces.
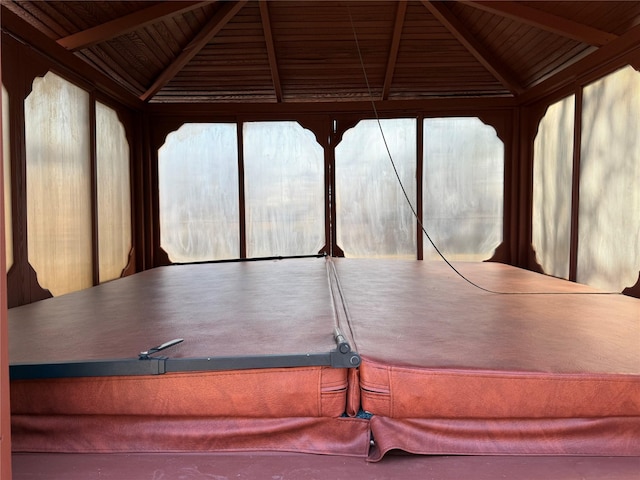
{"x":488,"y":61}
{"x":271,"y":51}
{"x":395,"y":46}
{"x":126,"y":24}
{"x":210,"y":30}
{"x":545,"y":21}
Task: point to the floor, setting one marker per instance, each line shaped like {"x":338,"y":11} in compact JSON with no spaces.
{"x":306,"y":467}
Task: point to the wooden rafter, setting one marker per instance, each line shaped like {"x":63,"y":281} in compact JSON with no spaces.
{"x":227,"y":11}
{"x":479,"y":51}
{"x":271,"y":51}
{"x":393,"y":51}
{"x":126,"y":24}
{"x":546,"y":21}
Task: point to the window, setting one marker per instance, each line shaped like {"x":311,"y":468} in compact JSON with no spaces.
{"x":198,"y":187}
{"x":59,"y":238}
{"x":200,"y":194}
{"x":284,"y":187}
{"x":373,"y":216}
{"x":463,"y":184}
{"x":552,"y":180}
{"x":114,"y":196}
{"x":608,"y":220}
{"x":60,"y":202}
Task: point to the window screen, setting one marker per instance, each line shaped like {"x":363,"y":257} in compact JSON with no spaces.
{"x":58,"y":184}
{"x":114,"y":193}
{"x":463,"y":184}
{"x":373,"y":216}
{"x":198,"y":188}
{"x":284,"y":189}
{"x":552,"y":180}
{"x":609,"y":219}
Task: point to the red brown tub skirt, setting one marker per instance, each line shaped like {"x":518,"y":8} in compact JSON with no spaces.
{"x":126,"y":433}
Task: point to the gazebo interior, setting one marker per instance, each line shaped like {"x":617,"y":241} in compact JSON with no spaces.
{"x":320,"y":239}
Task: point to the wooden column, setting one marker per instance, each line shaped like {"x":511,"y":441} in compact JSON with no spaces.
{"x":5,"y":413}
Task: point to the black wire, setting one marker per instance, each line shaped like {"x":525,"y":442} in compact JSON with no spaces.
{"x":413,"y":210}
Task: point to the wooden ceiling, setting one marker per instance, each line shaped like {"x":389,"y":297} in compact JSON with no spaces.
{"x":314,"y":51}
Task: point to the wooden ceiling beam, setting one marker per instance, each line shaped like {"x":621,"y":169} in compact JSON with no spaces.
{"x":226,"y":12}
{"x":271,"y":51}
{"x":545,"y":21}
{"x":126,"y":24}
{"x":440,"y":11}
{"x":393,"y":50}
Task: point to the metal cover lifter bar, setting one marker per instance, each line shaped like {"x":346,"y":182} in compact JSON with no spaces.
{"x":145,"y":364}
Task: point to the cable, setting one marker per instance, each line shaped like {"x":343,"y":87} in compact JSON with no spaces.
{"x":413,"y":210}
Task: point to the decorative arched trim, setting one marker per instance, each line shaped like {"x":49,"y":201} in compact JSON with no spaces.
{"x":341,"y":125}
{"x":500,"y":254}
{"x":532,"y":260}
{"x":130,"y":268}
{"x":633,"y":291}
{"x":162,"y":258}
{"x":23,"y":286}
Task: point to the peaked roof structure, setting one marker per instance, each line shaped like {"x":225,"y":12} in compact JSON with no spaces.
{"x":314,"y":51}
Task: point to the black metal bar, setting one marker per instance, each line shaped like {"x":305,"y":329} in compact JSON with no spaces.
{"x":247,"y":362}
{"x":161,"y":365}
{"x":252,"y":259}
{"x":88,"y":368}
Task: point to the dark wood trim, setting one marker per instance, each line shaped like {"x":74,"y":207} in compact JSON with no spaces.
{"x":128,"y":122}
{"x":271,"y":51}
{"x":278,"y":111}
{"x":575,"y":186}
{"x":149,"y":208}
{"x":393,"y":48}
{"x":158,"y":256}
{"x":93,"y":160}
{"x":508,"y":133}
{"x":523,"y":189}
{"x":5,"y":400}
{"x":337,"y":130}
{"x":546,"y":21}
{"x":326,"y":248}
{"x":126,"y":24}
{"x":242,"y":205}
{"x":137,"y":192}
{"x":320,"y":125}
{"x":63,"y":60}
{"x":26,"y":65}
{"x":419,"y":187}
{"x":633,"y":291}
